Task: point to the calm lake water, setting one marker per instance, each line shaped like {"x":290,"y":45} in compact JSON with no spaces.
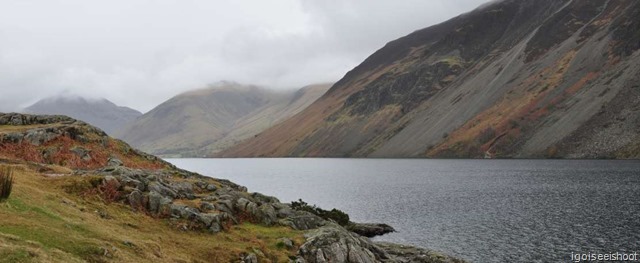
{"x":479,"y":210}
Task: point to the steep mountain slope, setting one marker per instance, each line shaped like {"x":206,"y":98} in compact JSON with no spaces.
{"x":102,"y":113}
{"x":201,"y":122}
{"x":514,"y":78}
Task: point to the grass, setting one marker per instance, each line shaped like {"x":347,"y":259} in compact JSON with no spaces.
{"x":45,"y":222}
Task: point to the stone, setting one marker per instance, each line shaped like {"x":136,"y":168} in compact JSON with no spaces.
{"x":209,"y":198}
{"x":264,"y":198}
{"x":136,"y":200}
{"x":206,"y":206}
{"x":370,"y":230}
{"x":81,"y":152}
{"x":112,"y":180}
{"x":211,"y":188}
{"x":251,"y":258}
{"x":301,"y":220}
{"x":267,"y":214}
{"x":159,"y":204}
{"x":183,"y":189}
{"x":114,"y":162}
{"x":161,"y":189}
{"x":287,"y":243}
{"x":332,"y":243}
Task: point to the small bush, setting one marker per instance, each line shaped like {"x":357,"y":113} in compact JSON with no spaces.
{"x":6,"y":182}
{"x":336,"y":215}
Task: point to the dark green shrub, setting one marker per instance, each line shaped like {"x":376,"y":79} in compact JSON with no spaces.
{"x":336,"y":215}
{"x":6,"y":182}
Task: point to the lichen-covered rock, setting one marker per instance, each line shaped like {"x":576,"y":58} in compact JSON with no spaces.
{"x":332,"y":243}
{"x":409,"y":254}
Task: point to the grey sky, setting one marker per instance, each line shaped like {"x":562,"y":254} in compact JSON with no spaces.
{"x":139,"y":53}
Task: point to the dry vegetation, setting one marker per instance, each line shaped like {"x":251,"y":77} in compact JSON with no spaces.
{"x":51,"y":219}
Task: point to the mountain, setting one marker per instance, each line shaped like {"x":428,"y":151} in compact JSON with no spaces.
{"x":511,"y":79}
{"x":78,"y":195}
{"x":102,"y":113}
{"x":201,"y":122}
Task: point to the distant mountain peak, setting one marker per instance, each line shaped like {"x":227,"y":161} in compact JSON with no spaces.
{"x":100,"y":112}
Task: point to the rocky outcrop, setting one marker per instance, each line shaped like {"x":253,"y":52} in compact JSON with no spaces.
{"x":409,"y":254}
{"x":370,"y":230}
{"x":187,"y":200}
{"x":54,"y":139}
{"x":220,"y":204}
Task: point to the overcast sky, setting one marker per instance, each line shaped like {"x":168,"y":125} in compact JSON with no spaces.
{"x":138,"y":53}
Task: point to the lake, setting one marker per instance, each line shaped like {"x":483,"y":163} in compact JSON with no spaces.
{"x":478,"y":210}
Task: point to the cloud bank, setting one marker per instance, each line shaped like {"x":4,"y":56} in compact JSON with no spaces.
{"x":138,"y":53}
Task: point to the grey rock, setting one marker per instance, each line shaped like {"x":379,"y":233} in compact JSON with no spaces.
{"x":370,"y":230}
{"x":163,"y":190}
{"x":301,"y":220}
{"x":183,"y":189}
{"x":264,"y":199}
{"x":13,"y":137}
{"x":242,"y":203}
{"x":209,"y":198}
{"x":201,"y":184}
{"x":136,"y":200}
{"x":251,"y":258}
{"x":81,"y":152}
{"x":409,"y":254}
{"x":267,"y":214}
{"x":211,"y":188}
{"x":112,"y":180}
{"x":127,"y":181}
{"x":114,"y":162}
{"x":333,"y":243}
{"x":159,"y":204}
{"x":206,"y":206}
{"x":288,"y":243}
{"x":225,"y":205}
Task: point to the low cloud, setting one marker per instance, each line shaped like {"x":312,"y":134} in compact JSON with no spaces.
{"x":139,"y":53}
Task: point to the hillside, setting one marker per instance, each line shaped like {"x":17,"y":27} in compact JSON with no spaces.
{"x":102,"y":113}
{"x":202,"y":122}
{"x":81,"y":196}
{"x":523,"y":79}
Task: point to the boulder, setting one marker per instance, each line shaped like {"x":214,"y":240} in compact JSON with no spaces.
{"x":370,"y":230}
{"x":206,"y":206}
{"x":409,"y":254}
{"x":114,"y":162}
{"x":287,"y":243}
{"x":81,"y":152}
{"x":183,"y":189}
{"x":301,"y":220}
{"x":332,"y":243}
{"x":251,"y":258}
{"x":211,"y":188}
{"x":267,"y":214}
{"x":159,"y":204}
{"x":162,"y":190}
{"x":137,"y":200}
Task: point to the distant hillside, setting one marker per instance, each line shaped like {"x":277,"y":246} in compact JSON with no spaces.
{"x":513,"y":78}
{"x":201,"y":122}
{"x":101,"y":113}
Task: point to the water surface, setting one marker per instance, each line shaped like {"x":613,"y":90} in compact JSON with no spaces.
{"x":479,"y":210}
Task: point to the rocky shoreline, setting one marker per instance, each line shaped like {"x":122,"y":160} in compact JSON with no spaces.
{"x":223,"y":203}
{"x":194,"y":202}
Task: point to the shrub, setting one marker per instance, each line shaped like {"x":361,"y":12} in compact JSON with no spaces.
{"x":6,"y":182}
{"x":336,"y":215}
